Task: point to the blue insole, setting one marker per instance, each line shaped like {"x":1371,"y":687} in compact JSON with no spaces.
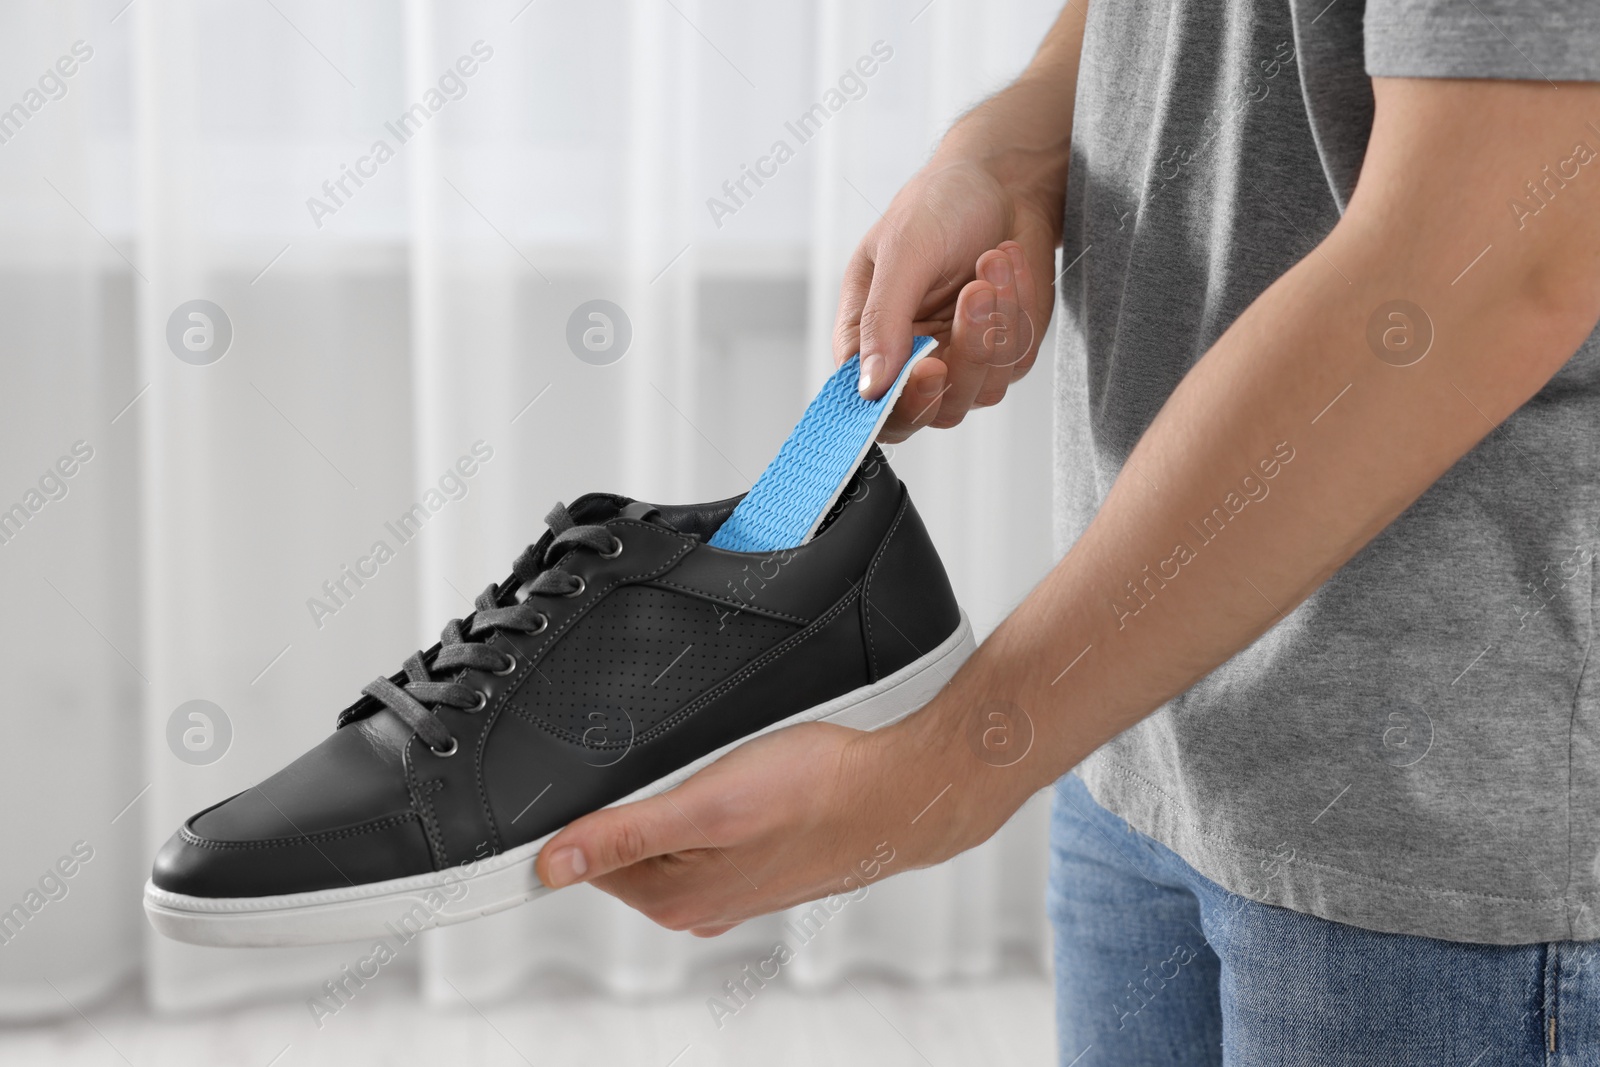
{"x":793,"y":495}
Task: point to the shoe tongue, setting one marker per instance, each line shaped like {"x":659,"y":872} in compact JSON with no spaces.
{"x":597,"y":508}
{"x":640,"y":511}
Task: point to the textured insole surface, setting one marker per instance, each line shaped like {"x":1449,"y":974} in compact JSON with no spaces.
{"x":793,"y":495}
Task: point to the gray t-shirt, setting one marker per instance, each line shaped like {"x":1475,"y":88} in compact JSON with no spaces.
{"x":1416,"y":749}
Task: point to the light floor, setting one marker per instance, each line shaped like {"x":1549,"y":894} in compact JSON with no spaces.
{"x":865,"y":1021}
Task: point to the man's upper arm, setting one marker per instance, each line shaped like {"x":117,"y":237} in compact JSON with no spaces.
{"x":1507,"y":171}
{"x":1486,"y":139}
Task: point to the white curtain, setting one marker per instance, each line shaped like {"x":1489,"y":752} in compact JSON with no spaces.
{"x":382,"y":326}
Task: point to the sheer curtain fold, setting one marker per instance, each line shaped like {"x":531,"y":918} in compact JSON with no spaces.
{"x":69,"y":539}
{"x":382,"y":328}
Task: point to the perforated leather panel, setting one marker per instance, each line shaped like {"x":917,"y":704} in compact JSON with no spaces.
{"x":635,"y":659}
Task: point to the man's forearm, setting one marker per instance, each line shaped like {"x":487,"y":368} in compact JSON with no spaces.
{"x":1023,"y":133}
{"x":1248,"y":490}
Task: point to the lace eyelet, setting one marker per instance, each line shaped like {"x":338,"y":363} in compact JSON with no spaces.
{"x":544,"y":624}
{"x":582,"y":585}
{"x":616,"y":551}
{"x":511,"y":664}
{"x":444,"y":753}
{"x":483,"y":702}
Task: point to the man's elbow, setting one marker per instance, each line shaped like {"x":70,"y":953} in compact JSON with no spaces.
{"x":1556,"y":301}
{"x":1443,"y":158}
{"x":1566,"y":289}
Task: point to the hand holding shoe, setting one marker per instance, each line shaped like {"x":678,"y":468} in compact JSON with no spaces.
{"x":796,"y":815}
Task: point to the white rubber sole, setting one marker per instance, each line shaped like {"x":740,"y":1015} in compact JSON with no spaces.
{"x":402,"y":906}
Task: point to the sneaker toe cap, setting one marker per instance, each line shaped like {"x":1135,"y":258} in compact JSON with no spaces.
{"x":194,"y":864}
{"x":340,"y":815}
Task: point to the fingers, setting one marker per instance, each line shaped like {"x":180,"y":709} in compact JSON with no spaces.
{"x":1003,"y":334}
{"x":681,"y":879}
{"x":986,"y":328}
{"x":901,"y":280}
{"x":713,"y":931}
{"x":953,"y":375}
{"x":1033,"y":310}
{"x":853,"y":290}
{"x":720,"y":848}
{"x":919,"y":403}
{"x":991,"y":342}
{"x":613,"y":838}
{"x":985,"y":308}
{"x":1010,"y":335}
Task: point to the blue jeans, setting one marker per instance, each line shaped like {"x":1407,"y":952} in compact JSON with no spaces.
{"x":1158,"y":966}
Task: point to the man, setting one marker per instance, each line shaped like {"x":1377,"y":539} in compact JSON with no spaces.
{"x":1329,"y":420}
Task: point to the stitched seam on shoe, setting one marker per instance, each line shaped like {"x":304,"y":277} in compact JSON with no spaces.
{"x":737,"y":605}
{"x":502,"y":702}
{"x":552,"y":636}
{"x":191,"y":838}
{"x":495,"y":839}
{"x":767,"y":657}
{"x":683,"y":549}
{"x":772,"y":655}
{"x":420,"y":793}
{"x":590,"y":602}
{"x":437,"y":785}
{"x":866,"y":583}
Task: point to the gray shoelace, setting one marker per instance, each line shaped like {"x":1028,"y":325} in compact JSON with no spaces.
{"x":463,"y":647}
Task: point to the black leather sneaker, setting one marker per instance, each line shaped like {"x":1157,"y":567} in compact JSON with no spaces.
{"x":622,"y":655}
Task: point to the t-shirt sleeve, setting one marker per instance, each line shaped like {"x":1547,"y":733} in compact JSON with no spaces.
{"x":1558,"y":40}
